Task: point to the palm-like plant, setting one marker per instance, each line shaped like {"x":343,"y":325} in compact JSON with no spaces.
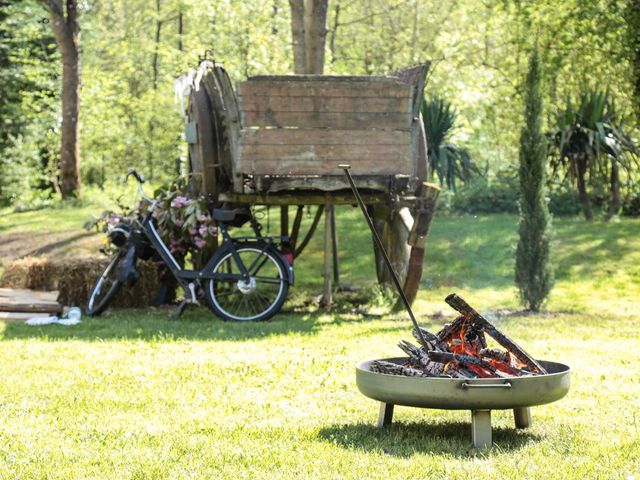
{"x":447,"y":160}
{"x":589,"y":139}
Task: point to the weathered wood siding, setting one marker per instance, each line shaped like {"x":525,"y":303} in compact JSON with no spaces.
{"x":307,"y":125}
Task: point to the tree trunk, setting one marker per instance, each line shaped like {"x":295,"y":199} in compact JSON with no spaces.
{"x":581,"y":166}
{"x":298,"y":36}
{"x":64,"y":22}
{"x":315,"y":23}
{"x":156,"y":49}
{"x":614,"y":188}
{"x":632,"y":19}
{"x":308,"y":35}
{"x":334,"y":32}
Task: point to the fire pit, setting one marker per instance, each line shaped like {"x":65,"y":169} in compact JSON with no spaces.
{"x":480,"y":395}
{"x":456,"y":369}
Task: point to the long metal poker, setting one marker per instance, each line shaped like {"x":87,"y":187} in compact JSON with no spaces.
{"x":376,"y":237}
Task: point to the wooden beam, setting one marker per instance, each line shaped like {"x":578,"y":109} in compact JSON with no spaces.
{"x":327,"y":299}
{"x":301,"y":198}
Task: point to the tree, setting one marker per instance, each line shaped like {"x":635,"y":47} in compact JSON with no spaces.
{"x":447,"y":160}
{"x":308,"y":34}
{"x":533,"y":273}
{"x":589,"y":137}
{"x":66,"y":29}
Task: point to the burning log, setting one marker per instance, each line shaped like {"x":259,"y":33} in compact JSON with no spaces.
{"x":496,"y":354}
{"x":433,"y":369}
{"x":434,"y":342}
{"x":380,"y":366}
{"x":458,"y":304}
{"x":476,"y":364}
{"x":460,"y":350}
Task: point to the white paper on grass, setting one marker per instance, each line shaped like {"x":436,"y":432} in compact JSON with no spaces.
{"x":50,"y":320}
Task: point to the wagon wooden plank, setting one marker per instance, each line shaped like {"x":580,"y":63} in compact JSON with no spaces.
{"x":311,"y":78}
{"x":341,"y":121}
{"x":299,"y":197}
{"x":324,"y":89}
{"x":323,"y":152}
{"x":298,"y":136}
{"x":268,"y":103}
{"x":308,"y":165}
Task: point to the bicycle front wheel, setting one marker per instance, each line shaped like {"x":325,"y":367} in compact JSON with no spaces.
{"x":106,"y":287}
{"x":258,"y":298}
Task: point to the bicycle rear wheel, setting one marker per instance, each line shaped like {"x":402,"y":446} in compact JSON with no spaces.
{"x":106,"y":287}
{"x":258,"y":298}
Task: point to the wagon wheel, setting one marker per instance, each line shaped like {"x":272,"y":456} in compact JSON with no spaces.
{"x":209,"y":153}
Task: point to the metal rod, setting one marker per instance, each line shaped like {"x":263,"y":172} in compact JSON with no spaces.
{"x":376,"y":237}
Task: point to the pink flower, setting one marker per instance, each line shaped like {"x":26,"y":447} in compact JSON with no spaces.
{"x":202,"y":230}
{"x":202,"y":218}
{"x":179,"y":222}
{"x":193,"y":230}
{"x":200,"y":242}
{"x":213,"y":230}
{"x":180,"y":202}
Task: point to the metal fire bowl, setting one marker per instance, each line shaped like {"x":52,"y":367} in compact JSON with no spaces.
{"x":464,"y":394}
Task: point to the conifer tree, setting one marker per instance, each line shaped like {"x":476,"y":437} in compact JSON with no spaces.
{"x":534,"y":278}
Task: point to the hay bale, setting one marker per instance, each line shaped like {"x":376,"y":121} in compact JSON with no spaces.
{"x":33,"y":273}
{"x":75,"y":278}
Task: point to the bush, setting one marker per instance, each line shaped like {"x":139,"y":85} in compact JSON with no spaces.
{"x":481,"y":196}
{"x":500,"y":195}
{"x":564,"y":202}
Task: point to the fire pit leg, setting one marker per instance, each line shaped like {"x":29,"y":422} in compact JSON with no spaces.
{"x":481,"y":428}
{"x":386,"y":414}
{"x":522,"y":416}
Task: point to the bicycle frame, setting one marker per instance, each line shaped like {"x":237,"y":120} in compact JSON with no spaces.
{"x":188,"y":278}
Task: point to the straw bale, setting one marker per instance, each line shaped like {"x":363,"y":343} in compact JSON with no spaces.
{"x":74,"y":278}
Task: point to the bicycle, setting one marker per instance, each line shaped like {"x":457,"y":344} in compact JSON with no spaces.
{"x":246,"y":279}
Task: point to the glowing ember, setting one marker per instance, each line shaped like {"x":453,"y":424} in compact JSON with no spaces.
{"x":460,"y":350}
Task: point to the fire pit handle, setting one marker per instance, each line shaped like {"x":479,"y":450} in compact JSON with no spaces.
{"x":486,"y":385}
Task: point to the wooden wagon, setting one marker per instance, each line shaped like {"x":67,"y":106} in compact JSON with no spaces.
{"x":278,"y":140}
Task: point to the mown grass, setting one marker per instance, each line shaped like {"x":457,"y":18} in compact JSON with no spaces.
{"x":137,"y":395}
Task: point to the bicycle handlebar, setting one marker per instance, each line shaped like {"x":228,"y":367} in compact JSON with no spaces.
{"x":132,"y":172}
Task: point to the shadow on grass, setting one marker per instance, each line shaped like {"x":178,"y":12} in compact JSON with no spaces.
{"x":157,"y":324}
{"x":408,"y":439}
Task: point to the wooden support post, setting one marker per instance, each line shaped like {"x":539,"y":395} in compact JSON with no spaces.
{"x":284,"y":220}
{"x":327,"y":299}
{"x":334,"y":245}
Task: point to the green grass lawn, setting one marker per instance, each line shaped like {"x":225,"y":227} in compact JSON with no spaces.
{"x":136,"y":395}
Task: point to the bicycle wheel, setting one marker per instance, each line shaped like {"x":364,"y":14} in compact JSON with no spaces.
{"x":106,"y":287}
{"x":258,"y":298}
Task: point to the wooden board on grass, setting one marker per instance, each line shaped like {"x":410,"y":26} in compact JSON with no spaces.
{"x":28,"y":301}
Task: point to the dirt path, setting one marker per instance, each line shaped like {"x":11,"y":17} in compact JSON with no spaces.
{"x":44,"y":243}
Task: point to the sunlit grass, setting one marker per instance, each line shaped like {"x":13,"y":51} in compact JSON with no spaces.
{"x":137,"y":395}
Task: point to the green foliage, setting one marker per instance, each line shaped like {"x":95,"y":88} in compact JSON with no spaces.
{"x":28,"y":108}
{"x":480,"y":195}
{"x":446,"y":159}
{"x":589,"y":139}
{"x":133,"y":50}
{"x":533,"y":274}
{"x":184,"y":224}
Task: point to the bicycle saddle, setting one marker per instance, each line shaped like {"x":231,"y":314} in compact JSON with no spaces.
{"x":227,"y":215}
